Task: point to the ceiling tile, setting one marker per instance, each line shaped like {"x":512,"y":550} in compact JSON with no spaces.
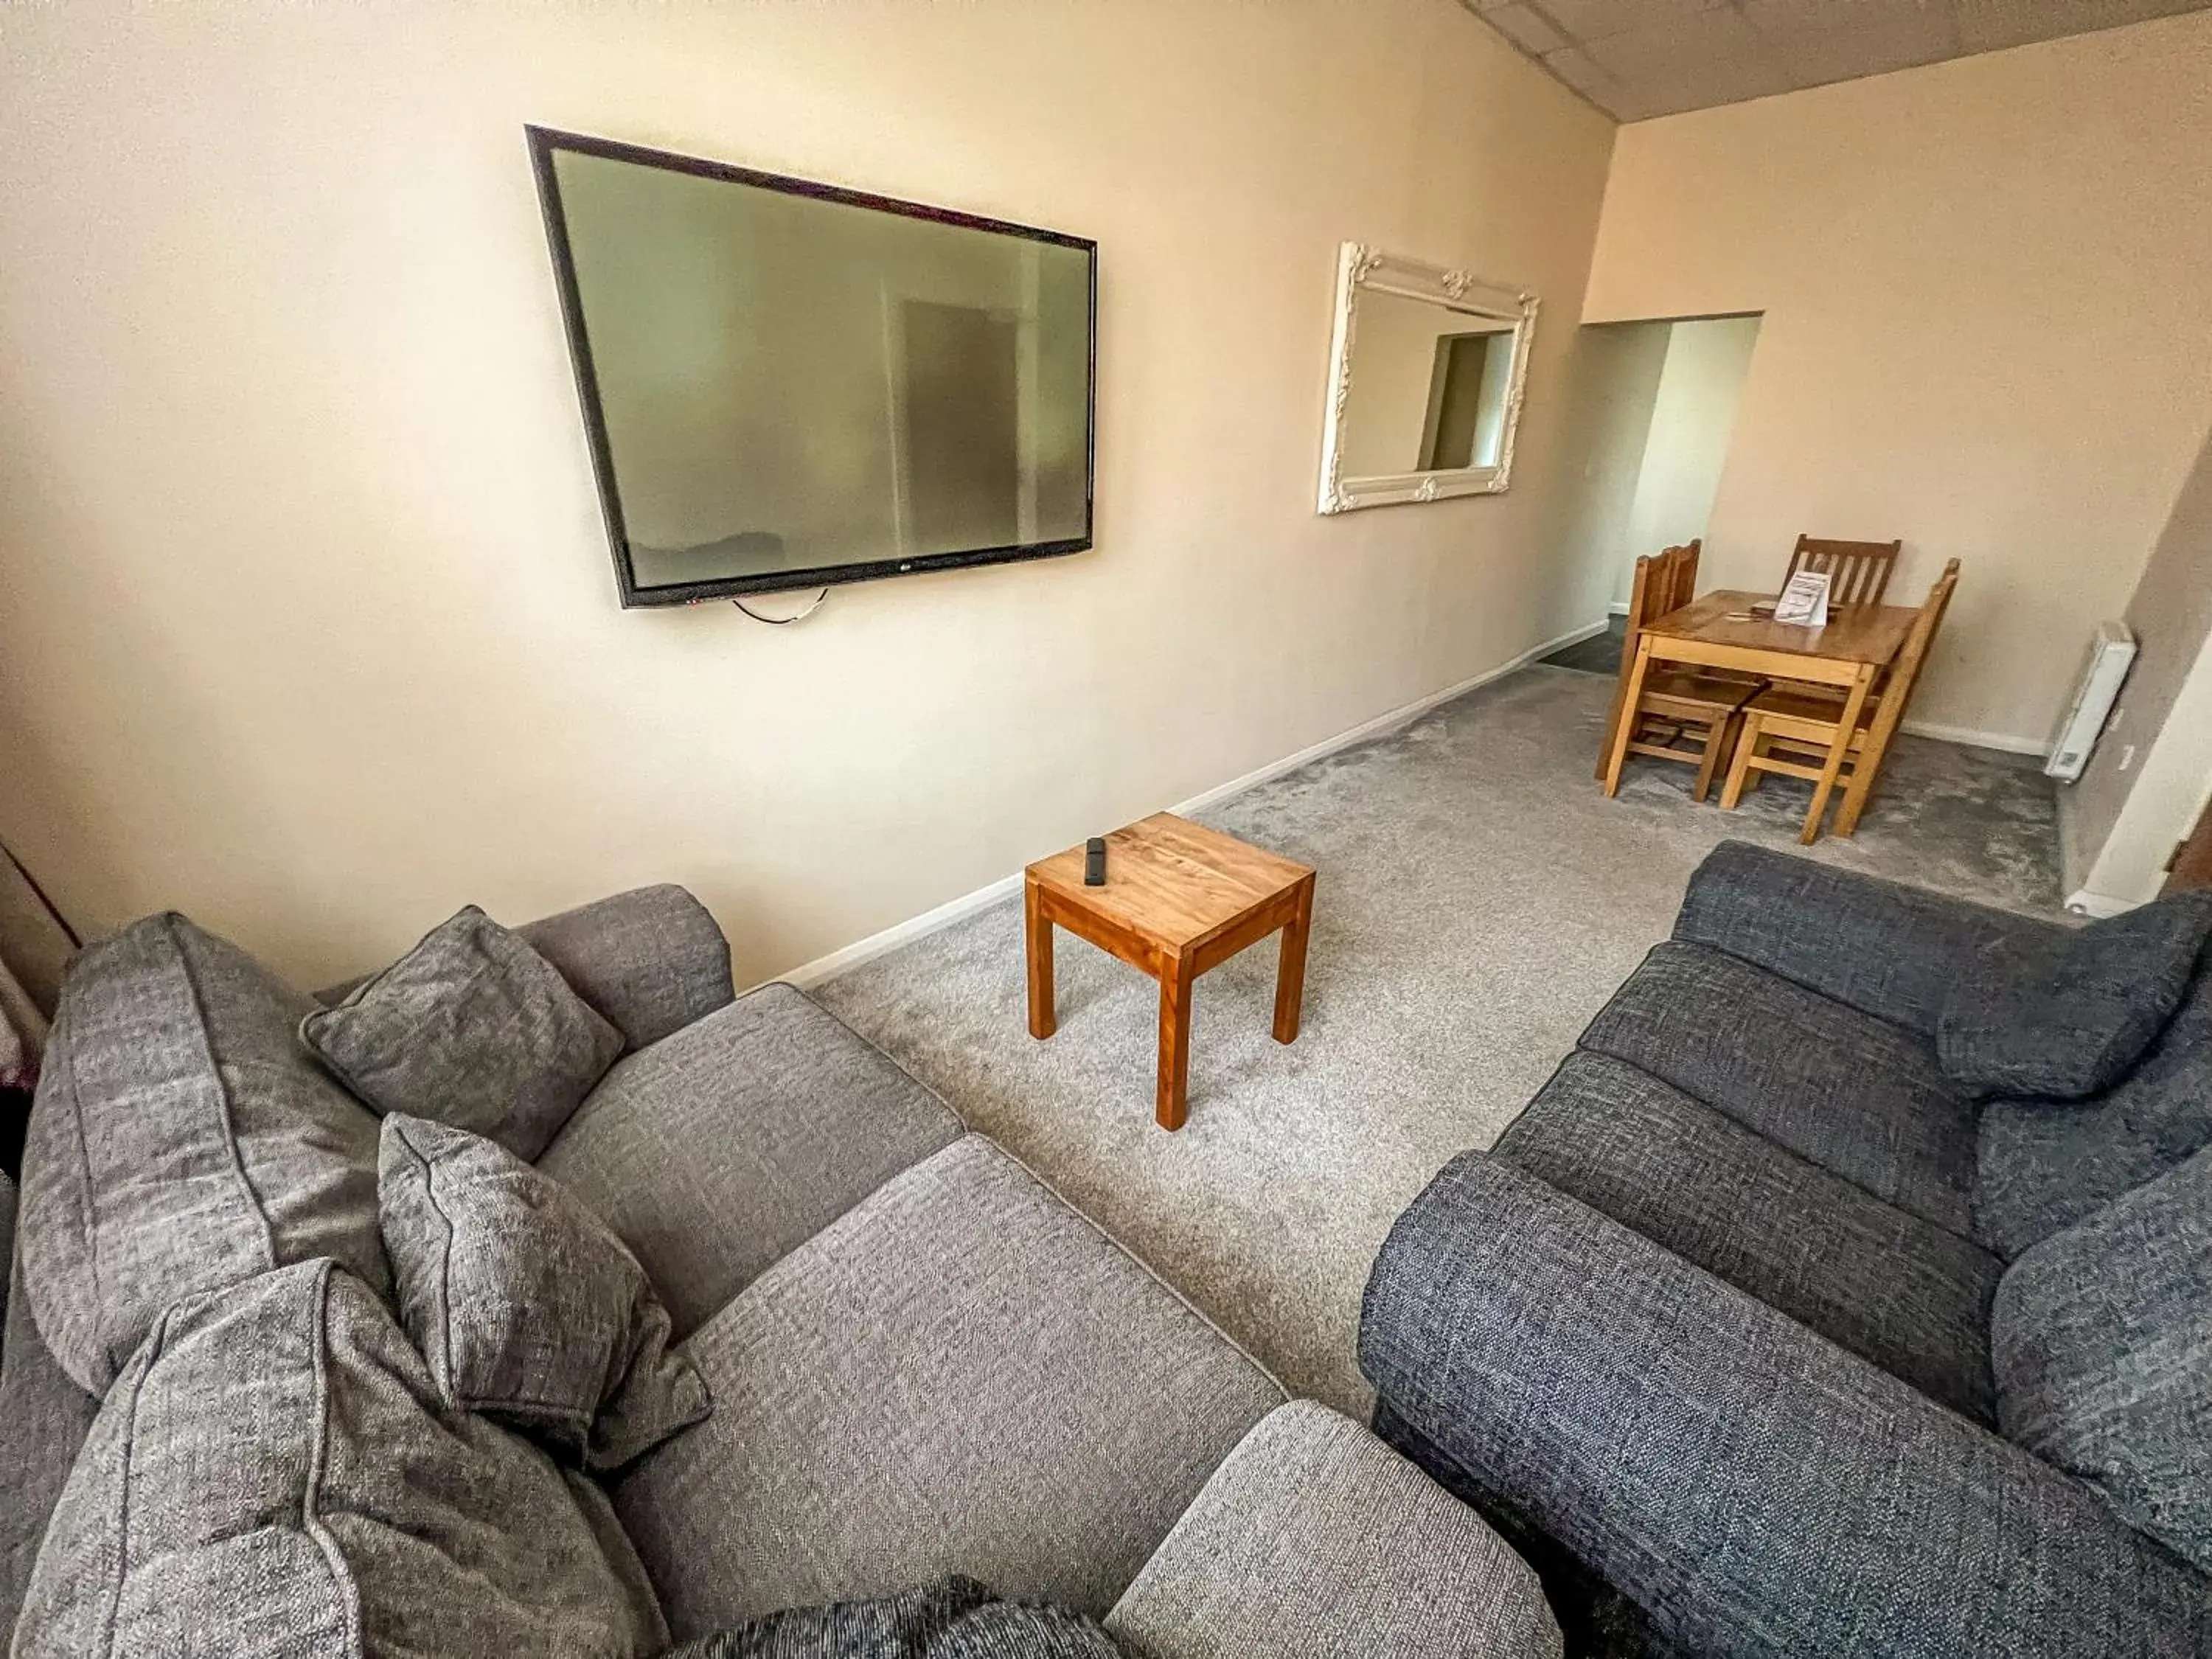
{"x":1526,"y":28}
{"x":1992,"y":25}
{"x":1888,"y":37}
{"x":1636,"y":59}
{"x":1714,"y":58}
{"x":1593,"y":20}
{"x":1573,"y":66}
{"x":1825,"y":14}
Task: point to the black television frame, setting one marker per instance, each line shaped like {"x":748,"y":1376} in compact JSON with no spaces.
{"x":544,"y":142}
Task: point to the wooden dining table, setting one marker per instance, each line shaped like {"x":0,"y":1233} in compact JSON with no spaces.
{"x":1716,"y":631}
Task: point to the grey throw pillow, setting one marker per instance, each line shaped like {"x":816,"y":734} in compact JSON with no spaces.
{"x":2064,"y":1018}
{"x":525,"y":1306}
{"x":2100,"y":1338}
{"x":472,"y":1028}
{"x":272,"y":1475}
{"x":181,"y":1141}
{"x":956,"y":1618}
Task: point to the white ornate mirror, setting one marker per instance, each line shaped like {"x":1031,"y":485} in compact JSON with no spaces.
{"x":1426,"y":368}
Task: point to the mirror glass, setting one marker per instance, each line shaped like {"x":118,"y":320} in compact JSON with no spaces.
{"x":1428,"y":388}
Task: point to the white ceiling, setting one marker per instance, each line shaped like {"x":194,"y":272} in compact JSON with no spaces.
{"x":1638,"y":58}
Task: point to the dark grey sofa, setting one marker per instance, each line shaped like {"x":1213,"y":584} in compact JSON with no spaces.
{"x":1709,"y":1331}
{"x":921,"y":1360}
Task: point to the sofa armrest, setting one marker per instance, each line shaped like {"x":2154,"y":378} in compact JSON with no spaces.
{"x":1884,"y":949}
{"x":1314,"y":1537}
{"x":1751,"y":1486}
{"x":651,"y":960}
{"x":43,"y":1419}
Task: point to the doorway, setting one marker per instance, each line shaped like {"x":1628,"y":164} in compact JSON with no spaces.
{"x":1466,"y":420}
{"x":1655,"y":414}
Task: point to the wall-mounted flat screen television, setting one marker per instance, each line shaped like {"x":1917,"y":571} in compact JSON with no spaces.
{"x":787,"y":385}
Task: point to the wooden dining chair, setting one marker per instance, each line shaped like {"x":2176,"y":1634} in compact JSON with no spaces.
{"x":1859,"y":571}
{"x":1792,"y":731}
{"x":1683,"y":713}
{"x":1652,"y":594}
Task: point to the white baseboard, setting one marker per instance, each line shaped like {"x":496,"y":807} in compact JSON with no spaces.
{"x":1382,"y":723}
{"x":2000,"y":740}
{"x":2084,"y":903}
{"x":959,"y":909}
{"x":905,"y":932}
{"x":1618,"y":608}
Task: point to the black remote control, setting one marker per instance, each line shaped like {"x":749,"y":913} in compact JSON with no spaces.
{"x":1094,"y":861}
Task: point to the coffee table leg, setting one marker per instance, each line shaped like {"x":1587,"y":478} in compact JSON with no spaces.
{"x":1043,"y":1020}
{"x":1176,"y":982}
{"x":1290,"y":967}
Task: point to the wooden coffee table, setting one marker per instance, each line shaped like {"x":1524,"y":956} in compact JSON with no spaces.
{"x":1179,"y":899}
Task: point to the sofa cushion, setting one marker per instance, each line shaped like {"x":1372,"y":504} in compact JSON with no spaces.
{"x":991,"y":1387}
{"x":1315,"y":1538}
{"x":2102,"y":1340}
{"x":472,"y":1028}
{"x":181,"y":1141}
{"x":2043,"y":1164}
{"x":2064,"y":1018}
{"x":1856,"y":1095}
{"x":272,"y":1474}
{"x":525,"y":1307}
{"x":722,"y":1147}
{"x":1910,"y":1296}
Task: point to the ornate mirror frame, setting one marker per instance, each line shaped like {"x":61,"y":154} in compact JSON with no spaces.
{"x":1362,"y":270}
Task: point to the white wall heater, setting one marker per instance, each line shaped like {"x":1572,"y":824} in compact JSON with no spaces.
{"x":2112,"y":650}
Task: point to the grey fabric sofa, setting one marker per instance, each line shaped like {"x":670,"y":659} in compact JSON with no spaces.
{"x":1709,"y":1332}
{"x":7,"y":1233}
{"x":922,"y":1359}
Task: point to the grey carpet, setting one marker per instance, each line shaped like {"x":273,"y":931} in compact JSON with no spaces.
{"x":1598,"y":655}
{"x":1478,"y":900}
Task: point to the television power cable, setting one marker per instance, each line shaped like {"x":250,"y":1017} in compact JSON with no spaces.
{"x":812,"y":605}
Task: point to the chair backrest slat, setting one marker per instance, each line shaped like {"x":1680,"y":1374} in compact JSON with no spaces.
{"x":1914,"y":651}
{"x":1911,"y":656}
{"x":1664,"y":581}
{"x":1686,"y":571}
{"x":1859,"y":571}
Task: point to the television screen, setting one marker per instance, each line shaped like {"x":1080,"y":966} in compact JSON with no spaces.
{"x":788,"y":385}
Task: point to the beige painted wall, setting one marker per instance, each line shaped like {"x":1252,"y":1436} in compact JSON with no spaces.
{"x":2119,"y":800}
{"x":2174,"y":786}
{"x":33,"y":948}
{"x":308,"y":625}
{"x":1692,"y":418}
{"x":1613,"y":386}
{"x":1988,"y":295}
